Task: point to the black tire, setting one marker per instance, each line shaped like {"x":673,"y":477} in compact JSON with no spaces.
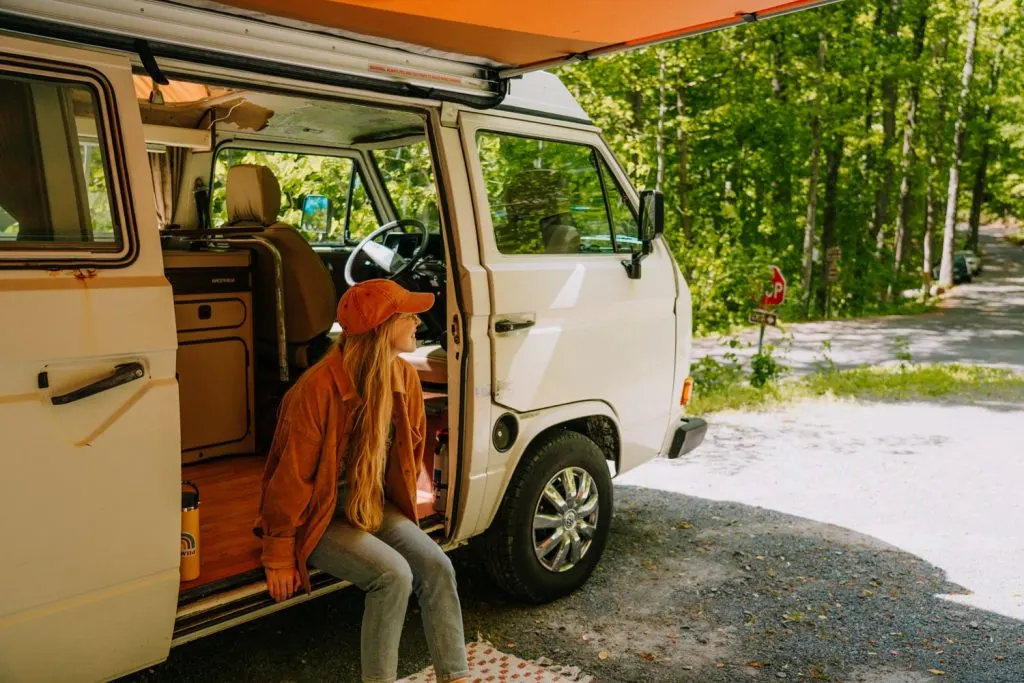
{"x":508,"y":547}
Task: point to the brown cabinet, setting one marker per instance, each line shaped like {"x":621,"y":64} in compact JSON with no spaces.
{"x":213,"y":311}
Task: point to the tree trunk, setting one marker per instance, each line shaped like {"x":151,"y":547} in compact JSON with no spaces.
{"x":978,"y":190}
{"x":782,"y":172}
{"x":833,"y":158}
{"x":978,"y":196}
{"x":908,"y":146}
{"x":949,"y":230}
{"x":683,"y":145}
{"x":929,"y":220}
{"x":889,"y":98}
{"x":904,"y":209}
{"x":812,"y":209}
{"x":812,"y":193}
{"x":660,"y":178}
{"x":935,"y":162}
{"x":636,"y":104}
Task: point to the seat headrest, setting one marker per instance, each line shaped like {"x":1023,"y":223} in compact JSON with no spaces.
{"x":252,"y":194}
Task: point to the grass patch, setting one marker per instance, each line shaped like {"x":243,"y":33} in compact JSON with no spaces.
{"x":1016,"y":237}
{"x":902,"y":382}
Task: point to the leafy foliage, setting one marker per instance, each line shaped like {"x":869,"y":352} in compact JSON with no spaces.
{"x":738,"y":110}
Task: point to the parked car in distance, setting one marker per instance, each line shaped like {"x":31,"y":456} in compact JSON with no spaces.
{"x":961,"y":271}
{"x":973,"y":261}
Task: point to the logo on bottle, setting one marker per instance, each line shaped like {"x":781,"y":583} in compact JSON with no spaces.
{"x":188,"y":544}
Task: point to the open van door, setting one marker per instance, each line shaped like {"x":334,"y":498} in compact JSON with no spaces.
{"x":556,"y":221}
{"x":89,"y":429}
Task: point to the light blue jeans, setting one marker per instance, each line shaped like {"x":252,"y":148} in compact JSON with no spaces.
{"x":389,"y":566}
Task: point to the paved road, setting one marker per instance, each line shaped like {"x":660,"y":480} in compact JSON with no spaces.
{"x":981,"y":322}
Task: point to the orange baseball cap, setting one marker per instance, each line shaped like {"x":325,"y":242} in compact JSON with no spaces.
{"x":370,"y":303}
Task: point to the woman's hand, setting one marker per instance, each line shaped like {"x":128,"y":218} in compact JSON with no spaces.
{"x":282,"y":583}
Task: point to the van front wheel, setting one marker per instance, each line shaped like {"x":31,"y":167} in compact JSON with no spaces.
{"x":553,"y":524}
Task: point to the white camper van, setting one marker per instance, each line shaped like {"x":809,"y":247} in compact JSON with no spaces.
{"x":187,"y":188}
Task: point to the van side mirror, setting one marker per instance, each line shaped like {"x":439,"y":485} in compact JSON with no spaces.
{"x":316,"y":215}
{"x":652,"y":224}
{"x":652,"y":216}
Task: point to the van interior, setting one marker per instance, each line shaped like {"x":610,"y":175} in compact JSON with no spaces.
{"x":270,"y":207}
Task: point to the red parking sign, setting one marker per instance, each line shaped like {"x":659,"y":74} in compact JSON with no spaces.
{"x":777,"y":293}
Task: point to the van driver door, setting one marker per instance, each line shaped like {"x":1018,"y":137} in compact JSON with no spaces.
{"x":89,"y":430}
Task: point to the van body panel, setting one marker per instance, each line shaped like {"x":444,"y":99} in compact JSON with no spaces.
{"x":94,"y":549}
{"x":501,"y":466}
{"x":101,"y":636}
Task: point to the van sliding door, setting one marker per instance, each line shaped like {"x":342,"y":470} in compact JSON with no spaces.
{"x":89,"y":435}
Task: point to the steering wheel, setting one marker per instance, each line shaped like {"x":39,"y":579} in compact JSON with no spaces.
{"x":385,"y":258}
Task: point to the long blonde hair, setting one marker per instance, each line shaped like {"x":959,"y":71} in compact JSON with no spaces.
{"x":367,"y":360}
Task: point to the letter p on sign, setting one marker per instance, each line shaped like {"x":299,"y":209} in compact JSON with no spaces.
{"x":777,"y":292}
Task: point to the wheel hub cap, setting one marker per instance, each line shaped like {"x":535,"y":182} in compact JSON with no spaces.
{"x":565,"y":520}
{"x":569,"y":520}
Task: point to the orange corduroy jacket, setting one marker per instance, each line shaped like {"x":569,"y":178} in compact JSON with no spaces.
{"x":300,"y":480}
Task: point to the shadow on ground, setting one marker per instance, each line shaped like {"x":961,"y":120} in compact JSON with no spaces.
{"x":688,"y":590}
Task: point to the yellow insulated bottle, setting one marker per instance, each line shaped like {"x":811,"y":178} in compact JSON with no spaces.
{"x":189,"y":532}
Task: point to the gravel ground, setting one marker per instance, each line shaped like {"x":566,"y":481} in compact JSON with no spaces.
{"x":689,"y":590}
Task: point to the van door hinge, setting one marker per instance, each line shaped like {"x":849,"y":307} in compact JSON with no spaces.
{"x":449,"y":115}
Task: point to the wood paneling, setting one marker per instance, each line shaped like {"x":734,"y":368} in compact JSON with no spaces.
{"x":229,"y":495}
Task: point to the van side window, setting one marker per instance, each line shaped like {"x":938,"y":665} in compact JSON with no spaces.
{"x":550,"y":197}
{"x":299,"y":175}
{"x":55,"y":181}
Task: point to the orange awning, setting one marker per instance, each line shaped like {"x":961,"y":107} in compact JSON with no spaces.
{"x":524,"y":34}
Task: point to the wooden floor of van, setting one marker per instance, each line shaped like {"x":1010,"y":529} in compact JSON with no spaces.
{"x":229,"y":494}
{"x":229,"y":497}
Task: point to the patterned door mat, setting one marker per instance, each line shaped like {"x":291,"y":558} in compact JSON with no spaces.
{"x":489,"y":665}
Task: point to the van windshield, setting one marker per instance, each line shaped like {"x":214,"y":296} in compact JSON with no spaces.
{"x":300,"y":174}
{"x":409,"y":178}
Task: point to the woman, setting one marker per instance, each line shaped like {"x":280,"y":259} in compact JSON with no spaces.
{"x":339,"y":488}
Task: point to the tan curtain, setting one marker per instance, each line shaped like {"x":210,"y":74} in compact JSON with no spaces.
{"x":176,"y":158}
{"x":166,"y":169}
{"x":22,"y":183}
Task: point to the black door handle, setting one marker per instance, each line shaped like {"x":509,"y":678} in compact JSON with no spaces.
{"x":503,"y":326}
{"x":124,"y":373}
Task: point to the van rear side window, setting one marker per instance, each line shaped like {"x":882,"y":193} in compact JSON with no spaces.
{"x":55,"y":183}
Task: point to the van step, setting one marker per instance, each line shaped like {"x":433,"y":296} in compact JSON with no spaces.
{"x":244,"y":602}
{"x":206,"y":590}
